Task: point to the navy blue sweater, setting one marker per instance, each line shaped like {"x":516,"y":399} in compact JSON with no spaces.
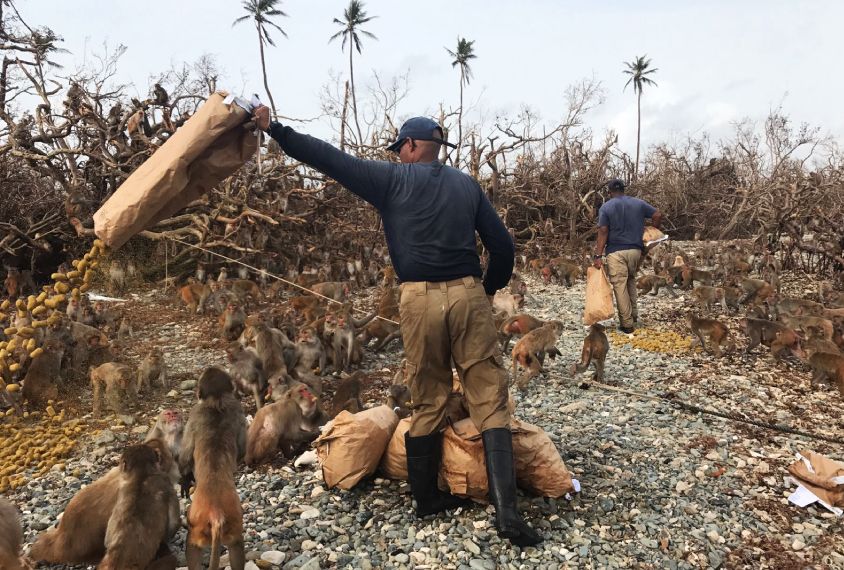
{"x":430,"y":211}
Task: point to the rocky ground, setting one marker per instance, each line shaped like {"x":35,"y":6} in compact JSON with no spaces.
{"x":661,"y":488}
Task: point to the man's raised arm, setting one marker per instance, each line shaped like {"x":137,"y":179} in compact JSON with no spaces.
{"x":499,"y":244}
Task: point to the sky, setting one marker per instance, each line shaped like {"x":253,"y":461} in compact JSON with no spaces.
{"x":718,"y":61}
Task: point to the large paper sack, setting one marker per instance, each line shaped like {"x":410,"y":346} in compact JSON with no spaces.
{"x":539,"y":467}
{"x":825,"y":478}
{"x":209,"y":147}
{"x":352,"y":446}
{"x":394,"y":461}
{"x":598,"y":297}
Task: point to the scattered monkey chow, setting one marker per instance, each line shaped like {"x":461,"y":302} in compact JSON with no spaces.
{"x":667,"y":342}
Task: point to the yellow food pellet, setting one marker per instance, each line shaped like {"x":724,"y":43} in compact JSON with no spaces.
{"x":30,"y":302}
{"x":73,"y":274}
{"x":36,"y":353}
{"x":85,"y":287}
{"x":26,"y":332}
{"x":5,"y":304}
{"x":20,"y":304}
{"x":61,"y":287}
{"x":13,"y":387}
{"x":11,"y":331}
{"x":39,"y":310}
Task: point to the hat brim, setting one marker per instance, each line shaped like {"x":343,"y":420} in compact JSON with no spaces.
{"x":396,"y":146}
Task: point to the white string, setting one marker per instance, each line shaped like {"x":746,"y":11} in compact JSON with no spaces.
{"x":276,"y":277}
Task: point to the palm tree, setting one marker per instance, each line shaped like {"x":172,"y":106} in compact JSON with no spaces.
{"x":464,"y":52}
{"x":638,"y":70}
{"x":354,"y":16}
{"x":261,"y":11}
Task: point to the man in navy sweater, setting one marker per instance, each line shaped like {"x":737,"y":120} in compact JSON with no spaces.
{"x":431,"y":213}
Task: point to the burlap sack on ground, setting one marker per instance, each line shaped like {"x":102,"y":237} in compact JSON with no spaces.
{"x":598,"y":297}
{"x":209,"y":147}
{"x":352,"y":446}
{"x":539,"y":467}
{"x":394,"y":462}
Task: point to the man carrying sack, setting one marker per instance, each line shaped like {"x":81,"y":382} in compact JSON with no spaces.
{"x":430,"y":213}
{"x":621,"y":223}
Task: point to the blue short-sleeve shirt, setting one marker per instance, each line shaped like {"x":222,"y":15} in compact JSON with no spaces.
{"x":625,"y":217}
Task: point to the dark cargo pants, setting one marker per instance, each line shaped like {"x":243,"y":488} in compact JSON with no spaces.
{"x":441,"y":322}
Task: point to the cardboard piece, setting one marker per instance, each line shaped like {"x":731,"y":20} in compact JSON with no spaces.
{"x":819,"y":476}
{"x":539,"y":467}
{"x":598,"y":297}
{"x":209,"y":147}
{"x":351,"y":445}
{"x":394,"y":463}
{"x":652,"y":234}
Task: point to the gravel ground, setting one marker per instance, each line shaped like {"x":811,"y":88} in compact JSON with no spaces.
{"x":661,"y":488}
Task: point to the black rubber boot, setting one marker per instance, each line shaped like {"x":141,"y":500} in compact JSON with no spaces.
{"x":501,"y":472}
{"x":423,"y":467}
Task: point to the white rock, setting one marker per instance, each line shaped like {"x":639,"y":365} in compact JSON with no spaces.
{"x":317,"y":491}
{"x":682,"y":486}
{"x":309,"y":514}
{"x":309,"y":545}
{"x":798,"y":544}
{"x":273,"y":557}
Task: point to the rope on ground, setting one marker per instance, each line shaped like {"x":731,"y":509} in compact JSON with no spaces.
{"x":276,"y":277}
{"x":732,"y":416}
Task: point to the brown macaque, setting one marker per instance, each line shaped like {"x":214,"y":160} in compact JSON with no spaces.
{"x":124,"y":332}
{"x":756,"y":291}
{"x":152,"y":369}
{"x":382,"y":330}
{"x":716,"y":331}
{"x":246,"y":288}
{"x":114,"y":381}
{"x":732,"y":296}
{"x":214,"y":442}
{"x":799,"y":307}
{"x":337,"y":290}
{"x":11,"y":537}
{"x":347,"y":395}
{"x":827,"y":368}
{"x":347,"y":349}
{"x":399,"y":400}
{"x":194,"y":296}
{"x":595,"y":349}
{"x":104,"y":316}
{"x":145,"y":515}
{"x":168,"y":429}
{"x":310,"y":353}
{"x":564,"y":271}
{"x":232,"y":321}
{"x":653,"y":283}
{"x":274,"y":349}
{"x":803,"y":323}
{"x":283,"y":425}
{"x":530,"y":351}
{"x":536,"y":265}
{"x":12,"y":282}
{"x":775,"y":335}
{"x":79,"y":537}
{"x":455,"y":410}
{"x":99,"y":351}
{"x":159,"y":95}
{"x":39,"y":383}
{"x":517,"y":285}
{"x":135,"y":125}
{"x":507,"y":302}
{"x":218,"y":298}
{"x":815,"y":342}
{"x":74,"y":308}
{"x":116,"y":278}
{"x":247,"y":372}
{"x":698,"y":276}
{"x":707,"y":297}
{"x":517,"y":325}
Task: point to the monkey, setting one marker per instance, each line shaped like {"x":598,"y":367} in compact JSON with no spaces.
{"x":116,"y":278}
{"x":517,"y":285}
{"x":194,"y":296}
{"x":168,"y":429}
{"x":160,"y":96}
{"x":12,"y":282}
{"x":798,"y":307}
{"x":135,"y":125}
{"x":707,"y":296}
{"x":775,"y":335}
{"x":283,"y":424}
{"x":716,"y":331}
{"x":699,"y":276}
{"x":595,"y":349}
{"x":214,"y":442}
{"x":232,"y":321}
{"x":399,"y":400}
{"x":152,"y":368}
{"x":827,"y":367}
{"x":756,"y":291}
{"x":246,"y":288}
{"x":732,"y":295}
{"x":507,"y":302}
{"x":74,"y":307}
{"x":116,"y":381}
{"x":98,"y":350}
{"x":816,"y":342}
{"x":145,"y":515}
{"x":11,"y":537}
{"x":347,"y":395}
{"x":274,"y":349}
{"x":124,"y":332}
{"x":803,"y":323}
{"x":564,"y":271}
{"x":653,"y":283}
{"x":39,"y":383}
{"x":103,"y":316}
{"x":79,"y":537}
{"x":309,"y":351}
{"x":517,"y":325}
{"x":382,"y":330}
{"x":530,"y":350}
{"x":247,"y":372}
{"x":337,"y":290}
{"x":347,"y":350}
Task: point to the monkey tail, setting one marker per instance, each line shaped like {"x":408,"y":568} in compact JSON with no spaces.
{"x":585,"y":359}
{"x":216,"y":531}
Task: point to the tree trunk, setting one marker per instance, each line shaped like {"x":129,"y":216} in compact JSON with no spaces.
{"x":638,"y":132}
{"x":354,"y":97}
{"x":459,"y":123}
{"x":264,"y":69}
{"x":343,"y":118}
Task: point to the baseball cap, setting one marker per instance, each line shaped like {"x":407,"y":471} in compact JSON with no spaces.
{"x":420,"y":129}
{"x":615,"y":185}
